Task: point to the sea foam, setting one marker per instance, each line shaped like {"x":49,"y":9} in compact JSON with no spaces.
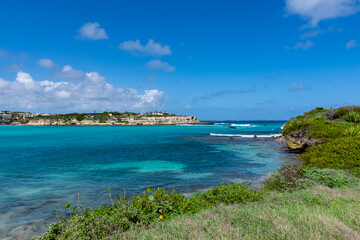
{"x":244,"y":136}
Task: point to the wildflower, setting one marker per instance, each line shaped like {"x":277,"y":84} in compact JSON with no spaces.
{"x":161,"y":217}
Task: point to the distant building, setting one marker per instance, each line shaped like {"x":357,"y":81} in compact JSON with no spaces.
{"x":6,"y":116}
{"x":91,"y":114}
{"x":161,"y":113}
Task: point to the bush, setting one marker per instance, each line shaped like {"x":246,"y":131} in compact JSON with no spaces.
{"x":293,"y":125}
{"x":150,"y":206}
{"x":340,"y":112}
{"x":353,"y":117}
{"x":355,"y":172}
{"x":226,"y":193}
{"x":318,"y":118}
{"x":325,"y":130}
{"x":314,"y":112}
{"x":287,"y":178}
{"x":80,"y":117}
{"x":293,"y":178}
{"x":330,"y":177}
{"x":352,"y":131}
{"x":341,"y":153}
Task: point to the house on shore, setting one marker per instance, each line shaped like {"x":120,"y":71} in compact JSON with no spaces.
{"x":156,"y":113}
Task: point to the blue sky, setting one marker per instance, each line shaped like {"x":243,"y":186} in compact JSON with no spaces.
{"x":213,"y":59}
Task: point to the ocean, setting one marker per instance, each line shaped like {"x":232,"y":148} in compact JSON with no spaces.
{"x":45,"y":166}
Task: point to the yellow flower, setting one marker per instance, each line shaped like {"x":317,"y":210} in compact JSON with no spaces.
{"x":161,"y":217}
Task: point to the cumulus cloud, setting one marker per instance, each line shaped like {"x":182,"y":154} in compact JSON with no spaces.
{"x":150,"y":49}
{"x":298,"y":87}
{"x":45,"y":63}
{"x":302,"y":45}
{"x":92,"y":31}
{"x":12,"y":68}
{"x":351,"y":44}
{"x":222,"y":93}
{"x":92,"y":91}
{"x":317,"y":10}
{"x":157,"y":64}
{"x":69,"y":73}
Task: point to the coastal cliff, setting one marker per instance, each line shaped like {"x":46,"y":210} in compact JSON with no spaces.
{"x":98,"y":119}
{"x":158,"y":120}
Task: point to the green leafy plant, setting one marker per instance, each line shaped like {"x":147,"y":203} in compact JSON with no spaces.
{"x":353,"y":117}
{"x":352,"y":131}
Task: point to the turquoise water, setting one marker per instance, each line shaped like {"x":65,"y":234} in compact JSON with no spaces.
{"x":45,"y":166}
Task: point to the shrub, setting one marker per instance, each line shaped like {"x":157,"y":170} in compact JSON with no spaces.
{"x":341,"y":153}
{"x":318,"y":118}
{"x":292,"y":178}
{"x":352,"y":131}
{"x":340,"y":112}
{"x":152,"y":205}
{"x":314,"y":112}
{"x":325,"y":130}
{"x":294,"y":125}
{"x":330,"y":177}
{"x":287,"y":178}
{"x":353,"y":117}
{"x":226,"y":193}
{"x":355,"y":172}
{"x":80,"y":117}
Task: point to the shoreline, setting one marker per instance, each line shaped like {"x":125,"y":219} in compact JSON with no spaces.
{"x":109,"y":125}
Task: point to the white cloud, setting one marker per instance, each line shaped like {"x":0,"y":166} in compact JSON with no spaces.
{"x":69,"y":73}
{"x":45,"y":63}
{"x":298,"y":87}
{"x":90,"y":92}
{"x":188,"y":106}
{"x":302,"y":45}
{"x":157,"y":64}
{"x":92,"y":31}
{"x":12,"y":68}
{"x":150,"y":49}
{"x":318,"y":10}
{"x":25,"y":79}
{"x":351,"y":44}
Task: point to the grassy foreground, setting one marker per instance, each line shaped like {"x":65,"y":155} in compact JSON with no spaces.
{"x":316,"y":213}
{"x":318,"y":200}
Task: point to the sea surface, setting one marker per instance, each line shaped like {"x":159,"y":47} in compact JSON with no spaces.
{"x":45,"y":166}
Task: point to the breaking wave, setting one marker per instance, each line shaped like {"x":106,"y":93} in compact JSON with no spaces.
{"x":245,"y":136}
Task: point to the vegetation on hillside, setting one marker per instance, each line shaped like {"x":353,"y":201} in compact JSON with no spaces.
{"x":319,"y":199}
{"x":339,"y":132}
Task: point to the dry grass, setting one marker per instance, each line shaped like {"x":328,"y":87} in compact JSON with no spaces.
{"x":318,"y":213}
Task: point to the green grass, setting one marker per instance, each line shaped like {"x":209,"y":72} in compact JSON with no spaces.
{"x":315,"y":213}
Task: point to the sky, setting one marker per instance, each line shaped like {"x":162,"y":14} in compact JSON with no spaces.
{"x":217,"y":60}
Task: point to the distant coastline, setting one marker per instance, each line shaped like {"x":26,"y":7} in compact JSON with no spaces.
{"x":95,"y":119}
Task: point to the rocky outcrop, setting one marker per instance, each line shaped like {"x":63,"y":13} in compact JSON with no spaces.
{"x":298,"y":141}
{"x":158,"y":120}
